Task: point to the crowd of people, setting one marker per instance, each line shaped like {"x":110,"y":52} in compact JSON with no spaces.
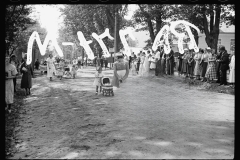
{"x":204,"y":65}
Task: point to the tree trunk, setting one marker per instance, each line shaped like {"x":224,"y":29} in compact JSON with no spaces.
{"x":116,"y":33}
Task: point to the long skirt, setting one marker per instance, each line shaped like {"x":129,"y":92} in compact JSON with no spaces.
{"x":190,"y":68}
{"x":211,"y":71}
{"x":170,"y":67}
{"x":184,"y":66}
{"x":133,"y":69}
{"x":232,"y":76}
{"x":153,"y":65}
{"x":179,"y":65}
{"x":197,"y":69}
{"x":163,"y":66}
{"x":9,"y":91}
{"x":115,"y":80}
{"x":204,"y":69}
{"x":141,"y":69}
{"x":26,"y":81}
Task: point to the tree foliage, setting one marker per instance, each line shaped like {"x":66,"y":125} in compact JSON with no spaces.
{"x":92,"y":18}
{"x":17,"y":21}
{"x":207,"y":18}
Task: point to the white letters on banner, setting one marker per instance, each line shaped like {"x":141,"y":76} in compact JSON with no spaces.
{"x":100,"y":41}
{"x":42,"y":47}
{"x":85,"y":45}
{"x":192,"y":43}
{"x":122,"y":34}
{"x":157,"y":41}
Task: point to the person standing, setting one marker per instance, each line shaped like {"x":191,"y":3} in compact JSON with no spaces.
{"x":138,"y":61}
{"x":50,"y":66}
{"x":197,"y":68}
{"x":179,"y":68}
{"x":204,"y":63}
{"x":158,"y":61}
{"x":141,"y":67}
{"x":98,"y":79}
{"x":10,"y":73}
{"x":106,"y":62}
{"x":184,"y":62}
{"x":190,"y":64}
{"x":170,"y":63}
{"x":14,"y":62}
{"x":224,"y":65}
{"x":101,"y":61}
{"x":153,"y":62}
{"x":219,"y":55}
{"x":211,"y":73}
{"x":37,"y":63}
{"x":232,"y":70}
{"x":27,"y":74}
{"x":146,"y":65}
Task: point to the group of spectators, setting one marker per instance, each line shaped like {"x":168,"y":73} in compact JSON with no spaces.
{"x":205,"y":65}
{"x":208,"y":66}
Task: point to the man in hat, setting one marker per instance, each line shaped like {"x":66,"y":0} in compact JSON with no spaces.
{"x":218,"y":57}
{"x":224,"y":65}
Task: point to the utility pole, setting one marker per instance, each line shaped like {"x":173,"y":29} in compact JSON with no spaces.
{"x":116,"y":32}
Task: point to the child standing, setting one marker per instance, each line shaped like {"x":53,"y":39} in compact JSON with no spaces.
{"x":98,"y":79}
{"x":74,"y":70}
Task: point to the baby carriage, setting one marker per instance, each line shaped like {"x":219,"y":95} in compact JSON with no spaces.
{"x":107,"y":88}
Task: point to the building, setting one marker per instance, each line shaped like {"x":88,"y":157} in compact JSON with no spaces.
{"x":226,"y":39}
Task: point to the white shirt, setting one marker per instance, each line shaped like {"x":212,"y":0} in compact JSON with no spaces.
{"x":157,"y":55}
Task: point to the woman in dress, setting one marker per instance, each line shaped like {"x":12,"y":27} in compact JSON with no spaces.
{"x":197,"y":69}
{"x":141,"y":68}
{"x":10,"y":73}
{"x":211,"y":72}
{"x":170,"y":63}
{"x":232,"y":70}
{"x":179,"y":63}
{"x":50,"y":66}
{"x":184,"y":62}
{"x":146,"y":65}
{"x":153,"y":62}
{"x":190,"y":64}
{"x":204,"y":63}
{"x":120,"y":69}
{"x":27,"y":74}
{"x":162,"y":63}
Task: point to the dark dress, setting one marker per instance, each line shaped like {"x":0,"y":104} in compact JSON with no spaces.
{"x":180,"y":62}
{"x":184,"y":64}
{"x":170,"y":63}
{"x":190,"y":67}
{"x":26,"y":81}
{"x":224,"y":66}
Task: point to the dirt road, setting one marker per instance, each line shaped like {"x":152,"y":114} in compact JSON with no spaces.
{"x":153,"y":117}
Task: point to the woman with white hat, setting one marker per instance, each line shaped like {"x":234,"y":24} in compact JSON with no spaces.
{"x":10,"y":73}
{"x":120,"y":69}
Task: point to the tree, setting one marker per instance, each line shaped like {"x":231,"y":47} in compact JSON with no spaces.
{"x":93,"y":18}
{"x":17,"y":20}
{"x":208,"y":18}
